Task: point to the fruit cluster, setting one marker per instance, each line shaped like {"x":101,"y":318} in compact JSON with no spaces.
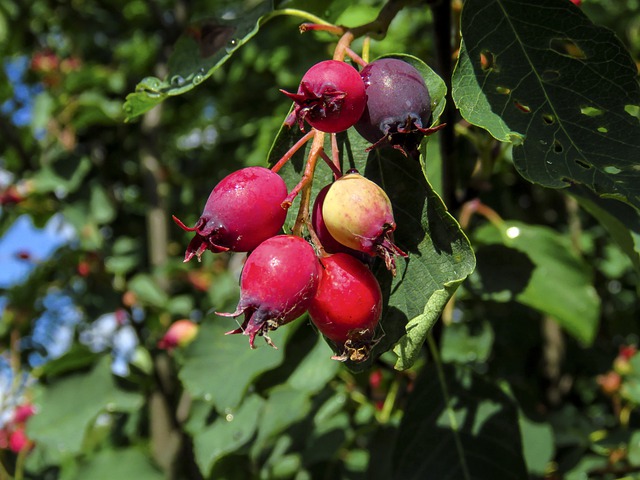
{"x":328,"y":274}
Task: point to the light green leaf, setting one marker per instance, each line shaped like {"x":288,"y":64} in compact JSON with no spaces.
{"x":538,"y":268}
{"x":220,"y":368}
{"x":122,"y":463}
{"x":227,"y":433}
{"x":148,"y":291}
{"x":458,"y":425}
{"x":69,"y":405}
{"x":561,"y":89}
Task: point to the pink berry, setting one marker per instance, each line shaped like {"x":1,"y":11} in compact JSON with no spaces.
{"x":347,"y":306}
{"x":278,"y":281}
{"x":23,"y":412}
{"x":331,"y":97}
{"x":180,"y":333}
{"x":18,"y":440}
{"x":358,"y":214}
{"x":242,"y":211}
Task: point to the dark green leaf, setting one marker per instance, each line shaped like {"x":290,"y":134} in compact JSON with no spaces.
{"x":121,"y":463}
{"x":459,"y":426}
{"x":562,"y":89}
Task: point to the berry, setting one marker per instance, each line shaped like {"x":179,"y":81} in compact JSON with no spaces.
{"x":398,"y":108}
{"x":347,"y":306}
{"x":358,"y":214}
{"x":330,"y":244}
{"x":180,"y":333}
{"x":331,"y":97}
{"x":18,"y":440}
{"x":242,"y":211}
{"x":278,"y":281}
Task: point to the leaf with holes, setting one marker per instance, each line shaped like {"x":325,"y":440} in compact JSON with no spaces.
{"x":440,"y":256}
{"x":562,"y":90}
{"x":206,"y":44}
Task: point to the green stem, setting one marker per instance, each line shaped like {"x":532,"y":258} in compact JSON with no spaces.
{"x":433,"y":348}
{"x":294,"y":12}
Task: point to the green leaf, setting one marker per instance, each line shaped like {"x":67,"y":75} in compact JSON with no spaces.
{"x":440,"y":256}
{"x":148,"y":291}
{"x":121,"y":463}
{"x":227,"y":433}
{"x":458,"y":425}
{"x":562,"y":90}
{"x":621,"y":221}
{"x":210,"y":40}
{"x":220,"y":368}
{"x":69,"y":405}
{"x":537,"y":443}
{"x":467,"y":342}
{"x":554,"y":280}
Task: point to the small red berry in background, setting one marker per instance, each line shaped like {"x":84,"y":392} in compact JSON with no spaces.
{"x":180,"y":333}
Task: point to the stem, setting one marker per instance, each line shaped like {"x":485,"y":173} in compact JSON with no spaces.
{"x":366,"y":48}
{"x":476,"y":206}
{"x":294,"y":12}
{"x":389,"y":402}
{"x":308,"y":27}
{"x":305,"y":183}
{"x":336,"y":171}
{"x":343,"y":45}
{"x":355,"y":57}
{"x":287,"y":156}
{"x":433,"y":348}
{"x":335,"y":154}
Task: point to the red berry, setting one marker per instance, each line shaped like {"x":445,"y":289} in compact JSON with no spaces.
{"x":242,"y":211}
{"x":23,"y":412}
{"x":398,"y":107}
{"x":18,"y":440}
{"x":330,"y":98}
{"x":278,"y":281}
{"x":347,"y":306}
{"x":358,"y":214}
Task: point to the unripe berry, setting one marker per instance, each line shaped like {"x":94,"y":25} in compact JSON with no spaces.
{"x":242,"y":211}
{"x":398,"y":107}
{"x":347,"y":306}
{"x":358,"y":214}
{"x":278,"y":281}
{"x":331,"y":97}
{"x":179,"y":334}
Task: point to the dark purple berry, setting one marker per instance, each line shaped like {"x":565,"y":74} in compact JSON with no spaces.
{"x":398,"y":108}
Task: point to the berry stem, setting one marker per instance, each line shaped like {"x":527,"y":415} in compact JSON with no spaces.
{"x":305,"y":183}
{"x":355,"y":57}
{"x":336,"y":171}
{"x":287,"y":156}
{"x":335,"y":154}
{"x":343,"y":45}
{"x":324,"y":27}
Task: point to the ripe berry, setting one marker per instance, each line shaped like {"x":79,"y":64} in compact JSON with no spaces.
{"x":242,"y":211}
{"x":347,"y":306}
{"x":331,"y":97}
{"x":278,"y":281}
{"x":398,"y":108}
{"x":358,"y":214}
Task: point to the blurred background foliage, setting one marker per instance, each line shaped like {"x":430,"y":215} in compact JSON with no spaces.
{"x":92,"y":277}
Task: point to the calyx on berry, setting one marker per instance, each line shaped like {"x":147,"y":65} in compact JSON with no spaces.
{"x":331,"y":97}
{"x":242,"y":211}
{"x":358,"y":214}
{"x":347,"y":306}
{"x":398,"y":108}
{"x":278,"y":281}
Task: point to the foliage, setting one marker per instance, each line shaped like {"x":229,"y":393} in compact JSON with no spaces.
{"x":510,"y":333}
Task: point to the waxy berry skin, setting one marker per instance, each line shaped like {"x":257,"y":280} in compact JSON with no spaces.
{"x":331,"y":97}
{"x":398,"y":108}
{"x":277,"y":284}
{"x":242,"y":211}
{"x":347,"y":306}
{"x":358,"y":214}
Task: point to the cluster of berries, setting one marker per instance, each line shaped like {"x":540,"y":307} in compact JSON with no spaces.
{"x":284,"y":276}
{"x":12,"y":433}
